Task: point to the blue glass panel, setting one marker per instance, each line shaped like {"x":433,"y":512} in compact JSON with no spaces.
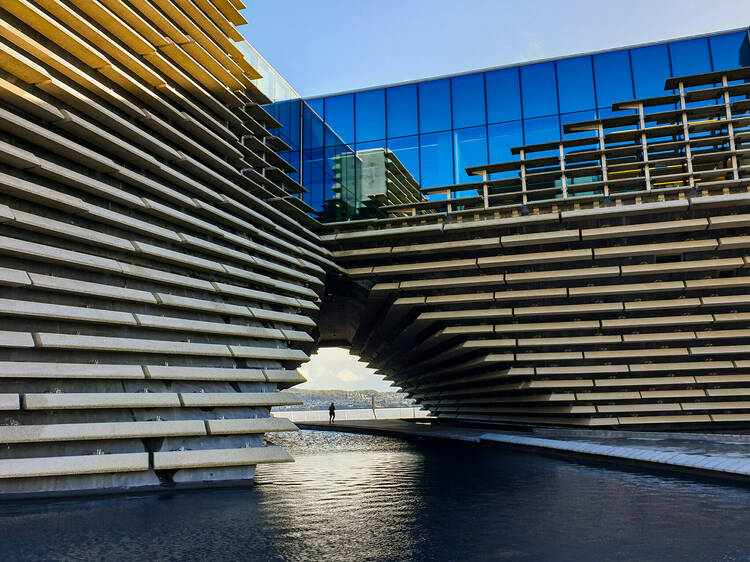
{"x":340,"y":117}
{"x":314,"y":175}
{"x":401,"y":103}
{"x":287,"y":113}
{"x":650,"y":70}
{"x":294,"y":134}
{"x":539,"y":89}
{"x":468,"y":100}
{"x":434,"y":106}
{"x":612,"y":78}
{"x":406,"y":149}
{"x":312,"y":130}
{"x":370,"y":115}
{"x":575,"y":118}
{"x":436,"y":159}
{"x":317,"y":105}
{"x":330,"y":168}
{"x":690,"y":57}
{"x":542,"y":129}
{"x":503,"y":95}
{"x":575,"y":81}
{"x":730,"y":50}
{"x":370,"y":145}
{"x":470,"y":150}
{"x":502,"y":137}
{"x":292,"y":157}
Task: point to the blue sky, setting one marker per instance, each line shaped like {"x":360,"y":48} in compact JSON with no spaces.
{"x":334,"y":368}
{"x":325,"y":46}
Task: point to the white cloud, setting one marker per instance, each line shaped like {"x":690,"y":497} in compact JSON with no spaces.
{"x":532,"y":48}
{"x":333,"y":368}
{"x":347,"y":375}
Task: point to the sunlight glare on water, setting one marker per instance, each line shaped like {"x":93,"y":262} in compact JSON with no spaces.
{"x":357,"y":497}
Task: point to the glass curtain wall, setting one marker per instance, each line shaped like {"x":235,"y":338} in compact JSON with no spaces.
{"x":326,"y":166}
{"x":438,"y":127}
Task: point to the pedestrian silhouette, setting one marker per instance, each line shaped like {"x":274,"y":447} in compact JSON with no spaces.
{"x":331,"y":413}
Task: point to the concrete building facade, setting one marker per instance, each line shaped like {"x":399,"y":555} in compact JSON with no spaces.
{"x":162,"y":275}
{"x":159,"y":280}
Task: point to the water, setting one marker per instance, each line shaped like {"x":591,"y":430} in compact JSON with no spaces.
{"x":356,"y":497}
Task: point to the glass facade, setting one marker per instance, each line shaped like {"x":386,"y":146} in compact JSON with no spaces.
{"x":438,"y":127}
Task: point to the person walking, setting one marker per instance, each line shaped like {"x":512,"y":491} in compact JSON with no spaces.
{"x":331,"y":413}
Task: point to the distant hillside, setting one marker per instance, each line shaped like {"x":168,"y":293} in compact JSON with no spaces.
{"x":346,"y":399}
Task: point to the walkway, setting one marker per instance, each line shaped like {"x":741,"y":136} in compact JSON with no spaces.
{"x":725,"y":456}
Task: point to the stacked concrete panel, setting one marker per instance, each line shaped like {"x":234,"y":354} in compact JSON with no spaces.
{"x":597,"y":281}
{"x":158,"y":278}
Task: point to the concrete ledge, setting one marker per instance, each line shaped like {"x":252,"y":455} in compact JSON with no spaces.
{"x":107,"y":430}
{"x":100,"y":400}
{"x":219,"y":457}
{"x":10,"y":402}
{"x":242,"y":426}
{"x":79,"y":464}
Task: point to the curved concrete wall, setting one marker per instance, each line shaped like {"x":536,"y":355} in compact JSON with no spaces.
{"x":157,"y":286}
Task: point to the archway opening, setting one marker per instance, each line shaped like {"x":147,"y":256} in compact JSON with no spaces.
{"x":335,"y":376}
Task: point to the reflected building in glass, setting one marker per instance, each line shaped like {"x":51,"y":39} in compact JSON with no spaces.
{"x":437,"y":127}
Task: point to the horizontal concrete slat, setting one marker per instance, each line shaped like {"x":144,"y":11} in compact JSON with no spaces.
{"x":104,"y":430}
{"x":164,"y":460}
{"x":215,"y":399}
{"x":73,"y":465}
{"x":70,"y":400}
{"x":56,"y":370}
{"x":244,"y":426}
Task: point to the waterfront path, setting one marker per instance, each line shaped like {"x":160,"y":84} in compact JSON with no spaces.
{"x":717,"y":455}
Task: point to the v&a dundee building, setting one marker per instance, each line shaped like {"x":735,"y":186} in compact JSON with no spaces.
{"x":561,"y":242}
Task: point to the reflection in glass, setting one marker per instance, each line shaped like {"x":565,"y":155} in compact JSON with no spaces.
{"x":406,"y":150}
{"x":317,"y":105}
{"x":468,"y":100}
{"x":401,"y":103}
{"x":312,"y":128}
{"x":542,"y":129}
{"x":287,"y":113}
{"x":612,"y":78}
{"x":340,"y":117}
{"x":575,"y":84}
{"x":650,"y":70}
{"x":575,"y":118}
{"x":370,"y":145}
{"x":457,"y":106}
{"x":314,"y":174}
{"x":370,"y":115}
{"x":501,"y":138}
{"x":503,"y":95}
{"x":470,"y":148}
{"x":434,"y":106}
{"x":436,"y":159}
{"x":730,"y":50}
{"x":539,"y":89}
{"x":292,"y":157}
{"x":690,"y":57}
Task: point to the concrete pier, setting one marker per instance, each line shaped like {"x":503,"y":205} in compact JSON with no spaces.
{"x":714,"y":455}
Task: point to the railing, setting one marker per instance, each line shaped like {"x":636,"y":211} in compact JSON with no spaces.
{"x":677,"y":150}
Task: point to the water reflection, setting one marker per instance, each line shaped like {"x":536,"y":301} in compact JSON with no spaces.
{"x":350,"y":497}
